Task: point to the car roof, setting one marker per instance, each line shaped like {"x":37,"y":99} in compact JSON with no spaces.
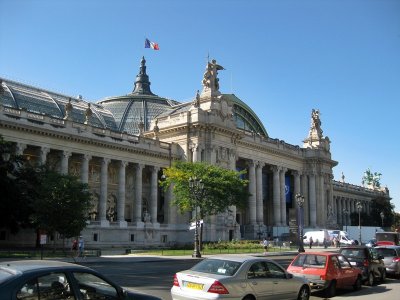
{"x":355,"y":247}
{"x":238,"y":258}
{"x":388,"y":246}
{"x":29,"y":265}
{"x":325,"y":253}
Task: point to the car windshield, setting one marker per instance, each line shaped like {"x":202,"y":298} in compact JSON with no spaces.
{"x":350,"y":253}
{"x":386,"y":252}
{"x":217,"y":266}
{"x":310,"y":261}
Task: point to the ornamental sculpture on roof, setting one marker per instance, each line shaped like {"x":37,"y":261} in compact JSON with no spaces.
{"x":210,"y":79}
{"x":316,"y":123}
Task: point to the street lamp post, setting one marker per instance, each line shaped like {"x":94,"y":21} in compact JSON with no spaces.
{"x":196,"y":188}
{"x":359,"y":207}
{"x":345,"y":213}
{"x":382,"y":217}
{"x":300,"y":203}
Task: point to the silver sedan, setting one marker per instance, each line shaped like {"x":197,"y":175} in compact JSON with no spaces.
{"x":391,"y":259}
{"x":238,"y":277}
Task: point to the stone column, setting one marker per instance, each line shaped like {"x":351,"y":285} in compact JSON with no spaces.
{"x":306,"y":205}
{"x":330,"y":195}
{"x":259,"y":198}
{"x":276,"y":196}
{"x":20,"y":147}
{"x":213,"y":155}
{"x":252,"y":191}
{"x":103,"y":192}
{"x":138,"y":193}
{"x":43,"y":155}
{"x":334,"y":207}
{"x":313,"y":202}
{"x":85,"y":168}
{"x":322,"y":201}
{"x":154,"y":194}
{"x":64,"y":162}
{"x":340,"y":211}
{"x":232,"y":166}
{"x":296,"y":175}
{"x":283,"y":196}
{"x":121,"y":194}
{"x":172,"y":210}
{"x":196,"y":153}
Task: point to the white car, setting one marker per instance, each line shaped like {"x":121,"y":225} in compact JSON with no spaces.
{"x":240,"y":278}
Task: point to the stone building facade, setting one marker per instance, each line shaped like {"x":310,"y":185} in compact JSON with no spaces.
{"x":120,"y":145}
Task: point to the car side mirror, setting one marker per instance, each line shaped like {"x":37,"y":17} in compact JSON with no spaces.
{"x":380,"y":256}
{"x":289,"y":275}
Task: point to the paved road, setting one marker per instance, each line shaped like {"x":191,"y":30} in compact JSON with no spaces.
{"x":154,"y":275}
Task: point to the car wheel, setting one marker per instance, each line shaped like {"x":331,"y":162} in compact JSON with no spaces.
{"x":331,"y":290}
{"x":304,"y":293}
{"x":383,"y":275}
{"x":357,"y":284}
{"x":248,"y":298}
{"x":370,"y":280}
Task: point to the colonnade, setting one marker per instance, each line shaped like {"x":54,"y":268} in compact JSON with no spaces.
{"x":344,"y":206}
{"x":316,"y":191}
{"x":311,"y":185}
{"x":137,"y":213}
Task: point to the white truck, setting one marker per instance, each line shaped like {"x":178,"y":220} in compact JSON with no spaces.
{"x":367,"y":233}
{"x":318,"y":237}
{"x":341,"y":236}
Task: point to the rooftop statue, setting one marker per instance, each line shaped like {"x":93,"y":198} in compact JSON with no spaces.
{"x":316,"y":123}
{"x":372,"y":179}
{"x":210,"y":79}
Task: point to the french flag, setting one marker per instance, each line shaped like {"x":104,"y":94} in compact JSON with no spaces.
{"x":152,"y":45}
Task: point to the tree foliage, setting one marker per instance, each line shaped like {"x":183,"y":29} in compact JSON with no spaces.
{"x":222,"y":188}
{"x":374,"y":218}
{"x":63,"y":203}
{"x":39,"y":198}
{"x":16,"y":184}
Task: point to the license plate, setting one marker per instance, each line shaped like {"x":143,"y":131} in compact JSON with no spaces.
{"x":194,"y":286}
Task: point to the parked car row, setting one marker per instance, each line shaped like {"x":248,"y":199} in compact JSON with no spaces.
{"x":241,"y":277}
{"x":238,"y":277}
{"x":250,"y":278}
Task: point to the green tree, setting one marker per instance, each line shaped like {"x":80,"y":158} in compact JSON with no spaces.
{"x":16,"y":184}
{"x":374,"y":218}
{"x":378,"y":206}
{"x":62,"y":203}
{"x":222,"y":188}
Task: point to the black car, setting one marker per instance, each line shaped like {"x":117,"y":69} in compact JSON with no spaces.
{"x":39,"y":279}
{"x":368,"y":260}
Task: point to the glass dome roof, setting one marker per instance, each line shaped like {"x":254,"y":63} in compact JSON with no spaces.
{"x":121,"y":113}
{"x":20,"y":96}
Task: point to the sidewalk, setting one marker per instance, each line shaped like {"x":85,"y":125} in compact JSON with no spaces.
{"x":148,"y":257}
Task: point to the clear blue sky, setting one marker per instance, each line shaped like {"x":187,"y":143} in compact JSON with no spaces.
{"x":282,"y":57}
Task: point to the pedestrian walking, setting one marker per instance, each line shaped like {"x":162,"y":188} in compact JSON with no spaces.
{"x":74,"y":248}
{"x":311,"y":241}
{"x":81,"y":246}
{"x":265,"y":244}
